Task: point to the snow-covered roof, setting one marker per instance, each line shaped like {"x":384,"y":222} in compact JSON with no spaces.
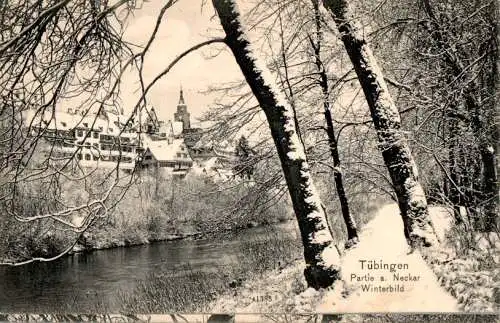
{"x":162,"y":150}
{"x":177,"y":126}
{"x":171,"y":128}
{"x":109,"y":123}
{"x":204,"y":143}
{"x":211,"y":162}
{"x":202,"y":124}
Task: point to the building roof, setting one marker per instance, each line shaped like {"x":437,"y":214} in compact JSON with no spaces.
{"x":164,"y":151}
{"x":181,"y":98}
{"x":108,"y":122}
{"x":172,"y":128}
{"x":177,"y":126}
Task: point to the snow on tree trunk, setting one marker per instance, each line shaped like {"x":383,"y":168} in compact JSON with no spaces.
{"x":488,"y":157}
{"x":392,"y":142}
{"x":321,"y":256}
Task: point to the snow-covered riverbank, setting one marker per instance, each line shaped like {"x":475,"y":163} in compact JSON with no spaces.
{"x":368,"y":284}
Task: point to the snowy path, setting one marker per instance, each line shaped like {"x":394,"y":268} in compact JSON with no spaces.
{"x":382,"y":239}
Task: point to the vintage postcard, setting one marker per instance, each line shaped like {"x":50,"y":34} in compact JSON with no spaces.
{"x":249,"y":160}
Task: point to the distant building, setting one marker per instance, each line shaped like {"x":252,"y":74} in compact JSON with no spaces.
{"x":182,"y":115}
{"x":104,"y":141}
{"x":191,"y":135}
{"x":94,"y":140}
{"x":171,"y":155}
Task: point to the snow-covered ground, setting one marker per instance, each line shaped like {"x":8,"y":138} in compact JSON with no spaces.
{"x":382,"y":241}
{"x":474,"y":287}
{"x":467,"y":263}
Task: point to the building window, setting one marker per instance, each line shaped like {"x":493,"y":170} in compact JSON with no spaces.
{"x":79,"y":156}
{"x":87,"y":145}
{"x":95,"y":157}
{"x":106,"y":138}
{"x":110,"y":129}
{"x":95,"y":135}
{"x":179,"y":155}
{"x":147,"y":157}
{"x":79,"y":133}
{"x":100,"y":128}
{"x":63,"y":124}
{"x":87,"y":156}
{"x":85,"y":124}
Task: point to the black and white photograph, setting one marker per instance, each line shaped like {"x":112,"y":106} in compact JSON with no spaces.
{"x":249,"y":161}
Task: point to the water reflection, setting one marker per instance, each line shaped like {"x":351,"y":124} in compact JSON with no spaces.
{"x":86,"y":282}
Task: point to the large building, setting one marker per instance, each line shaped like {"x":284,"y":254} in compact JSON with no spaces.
{"x":110,"y":140}
{"x":93,"y":140}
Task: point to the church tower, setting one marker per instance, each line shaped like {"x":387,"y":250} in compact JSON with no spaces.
{"x":182,"y":115}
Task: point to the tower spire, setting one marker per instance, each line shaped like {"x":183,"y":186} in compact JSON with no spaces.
{"x":182,"y":114}
{"x":181,"y":98}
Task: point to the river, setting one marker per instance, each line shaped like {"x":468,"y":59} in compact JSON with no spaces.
{"x":93,"y":280}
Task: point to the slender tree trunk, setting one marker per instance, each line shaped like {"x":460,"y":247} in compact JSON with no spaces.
{"x":352,"y":231}
{"x":488,"y":160}
{"x":321,"y":256}
{"x":395,"y":149}
{"x":453,"y":193}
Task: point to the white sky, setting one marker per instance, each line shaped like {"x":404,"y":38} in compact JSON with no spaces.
{"x":184,"y":25}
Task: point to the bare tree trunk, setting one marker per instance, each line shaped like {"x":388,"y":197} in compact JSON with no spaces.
{"x":386,"y":118}
{"x":322,"y":260}
{"x":490,"y":145}
{"x":488,"y":160}
{"x":496,"y":115}
{"x":453,"y":192}
{"x":352,"y":231}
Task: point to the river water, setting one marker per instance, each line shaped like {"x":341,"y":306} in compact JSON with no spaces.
{"x":84,"y":282}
